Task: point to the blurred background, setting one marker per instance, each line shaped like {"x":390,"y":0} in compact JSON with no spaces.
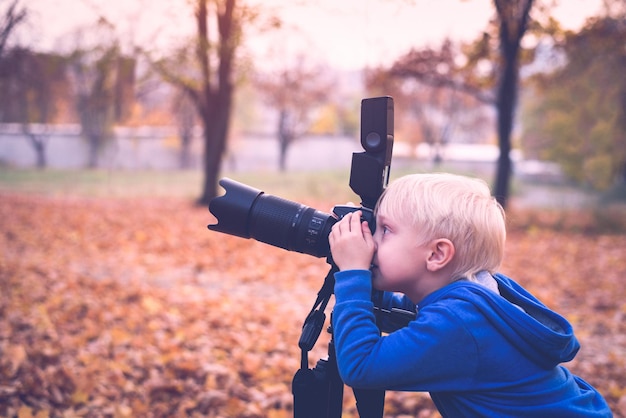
{"x":118,"y":118}
{"x":529,"y":91}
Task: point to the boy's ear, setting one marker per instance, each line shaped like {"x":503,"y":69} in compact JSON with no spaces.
{"x":442,"y":252}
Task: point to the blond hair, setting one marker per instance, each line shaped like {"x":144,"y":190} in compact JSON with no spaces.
{"x":458,"y":208}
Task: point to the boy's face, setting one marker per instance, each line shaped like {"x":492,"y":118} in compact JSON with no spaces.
{"x":399,"y":260}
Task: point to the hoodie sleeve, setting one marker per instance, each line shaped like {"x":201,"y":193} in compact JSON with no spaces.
{"x":435,"y":351}
{"x":478,"y":353}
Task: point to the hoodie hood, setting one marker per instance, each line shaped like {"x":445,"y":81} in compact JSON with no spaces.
{"x":546,"y":334}
{"x":542,"y":335}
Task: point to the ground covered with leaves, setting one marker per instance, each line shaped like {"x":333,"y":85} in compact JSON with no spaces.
{"x":131,"y":307}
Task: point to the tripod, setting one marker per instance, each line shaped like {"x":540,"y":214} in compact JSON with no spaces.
{"x":318,"y":392}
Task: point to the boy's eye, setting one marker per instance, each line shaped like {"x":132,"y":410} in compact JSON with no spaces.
{"x":385,"y":230}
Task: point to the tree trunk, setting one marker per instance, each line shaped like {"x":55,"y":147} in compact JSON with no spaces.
{"x":212,"y":167}
{"x":283,"y":145}
{"x":92,"y":161}
{"x":283,"y":140}
{"x":216,"y":120}
{"x":214,"y":103}
{"x":39,"y":145}
{"x":507,"y":98}
{"x":185,"y":150}
{"x":513,"y":16}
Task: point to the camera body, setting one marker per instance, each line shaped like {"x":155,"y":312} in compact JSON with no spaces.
{"x":250,"y":213}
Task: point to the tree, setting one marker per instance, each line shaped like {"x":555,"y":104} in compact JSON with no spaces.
{"x":577,"y":114}
{"x":36,"y":82}
{"x":185,"y":117}
{"x":210,"y":85}
{"x":434,"y":106}
{"x":93,"y":80}
{"x":102,"y":79}
{"x":294,"y":92}
{"x":32,"y":88}
{"x":513,"y":17}
{"x":11,"y":18}
{"x":478,"y":73}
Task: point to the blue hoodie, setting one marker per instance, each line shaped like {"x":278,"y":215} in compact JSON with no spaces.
{"x":477,"y":352}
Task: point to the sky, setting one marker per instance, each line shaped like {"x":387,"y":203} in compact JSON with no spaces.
{"x":345,"y":34}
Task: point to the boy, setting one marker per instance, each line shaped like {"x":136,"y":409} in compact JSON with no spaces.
{"x":480,"y":344}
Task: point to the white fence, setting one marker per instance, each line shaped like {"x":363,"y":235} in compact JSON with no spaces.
{"x":158,"y":148}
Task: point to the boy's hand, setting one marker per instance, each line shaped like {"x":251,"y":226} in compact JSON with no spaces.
{"x":351,"y":243}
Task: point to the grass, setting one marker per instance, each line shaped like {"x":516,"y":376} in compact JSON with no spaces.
{"x":99,"y":183}
{"x":301,"y":186}
{"x":179,"y":184}
{"x":532,"y":205}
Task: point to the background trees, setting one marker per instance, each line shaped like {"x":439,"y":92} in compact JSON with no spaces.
{"x":294,"y":92}
{"x":488,"y":71}
{"x":210,"y":84}
{"x":438,"y":100}
{"x":10,"y":18}
{"x":93,"y":78}
{"x":576,"y":114}
{"x":513,"y":20}
{"x":441,"y":93}
{"x":35,"y":83}
{"x":29,"y":82}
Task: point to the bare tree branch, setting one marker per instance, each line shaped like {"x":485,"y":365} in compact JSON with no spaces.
{"x":12,"y":17}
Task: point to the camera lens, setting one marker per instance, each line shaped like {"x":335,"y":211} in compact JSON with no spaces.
{"x":250,"y":213}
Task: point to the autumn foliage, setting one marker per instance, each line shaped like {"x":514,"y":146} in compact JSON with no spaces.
{"x":131,"y":307}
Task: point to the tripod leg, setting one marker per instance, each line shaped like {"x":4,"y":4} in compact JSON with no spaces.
{"x":318,"y":392}
{"x":335,"y":384}
{"x":370,"y":403}
{"x":305,"y":395}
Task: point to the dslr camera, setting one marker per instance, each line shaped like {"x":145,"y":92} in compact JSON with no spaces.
{"x":247,"y":212}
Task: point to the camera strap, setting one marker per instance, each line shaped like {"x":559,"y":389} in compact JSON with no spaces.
{"x":316,"y":318}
